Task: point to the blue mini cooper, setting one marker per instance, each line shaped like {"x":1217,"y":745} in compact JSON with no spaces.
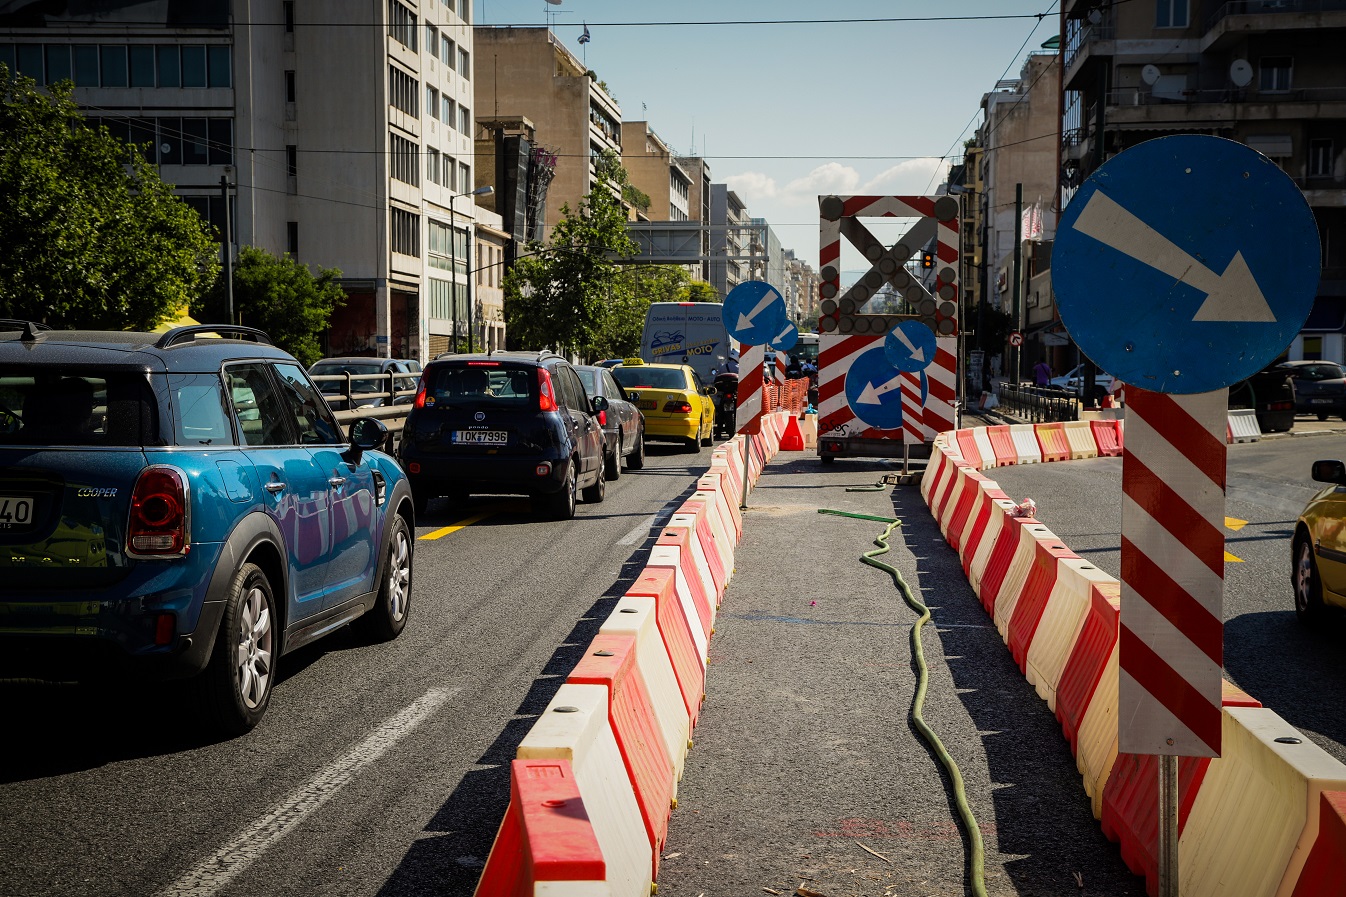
{"x":185,"y":505}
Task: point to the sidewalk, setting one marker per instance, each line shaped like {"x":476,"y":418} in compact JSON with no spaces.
{"x":805,"y":759}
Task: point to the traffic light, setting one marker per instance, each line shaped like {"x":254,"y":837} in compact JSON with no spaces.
{"x":927,"y":261}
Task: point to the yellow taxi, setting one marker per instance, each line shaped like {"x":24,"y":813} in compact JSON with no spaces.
{"x":676,"y":404}
{"x":1318,"y":568}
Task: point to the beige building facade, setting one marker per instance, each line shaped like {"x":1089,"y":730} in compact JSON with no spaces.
{"x":528,"y":72}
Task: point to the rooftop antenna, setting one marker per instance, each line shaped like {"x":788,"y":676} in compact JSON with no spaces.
{"x":548,"y":16}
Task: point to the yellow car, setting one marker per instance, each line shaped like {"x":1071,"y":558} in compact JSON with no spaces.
{"x":1318,"y":571}
{"x":676,"y":404}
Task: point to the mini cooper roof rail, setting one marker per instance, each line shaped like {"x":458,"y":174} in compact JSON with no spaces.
{"x":223,"y":331}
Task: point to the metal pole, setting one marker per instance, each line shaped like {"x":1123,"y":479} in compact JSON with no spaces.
{"x":1018,"y":263}
{"x":471,"y":273}
{"x":453,"y":272}
{"x":1168,"y":826}
{"x":747,"y":451}
{"x":228,"y":247}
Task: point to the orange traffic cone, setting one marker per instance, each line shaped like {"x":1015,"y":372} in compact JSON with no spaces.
{"x":792,"y":440}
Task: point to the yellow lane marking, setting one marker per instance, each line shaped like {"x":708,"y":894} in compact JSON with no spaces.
{"x":1234,"y":524}
{"x":461,"y":524}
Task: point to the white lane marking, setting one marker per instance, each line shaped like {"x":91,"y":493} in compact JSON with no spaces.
{"x":642,"y":530}
{"x":233,"y":858}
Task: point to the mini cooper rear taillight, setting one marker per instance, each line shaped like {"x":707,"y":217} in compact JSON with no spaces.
{"x":159,"y":524}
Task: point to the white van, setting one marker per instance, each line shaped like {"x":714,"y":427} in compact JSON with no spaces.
{"x":687,"y":333}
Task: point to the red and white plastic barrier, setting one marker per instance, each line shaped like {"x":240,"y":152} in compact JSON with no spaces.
{"x":1268,"y":817}
{"x":597,"y":775}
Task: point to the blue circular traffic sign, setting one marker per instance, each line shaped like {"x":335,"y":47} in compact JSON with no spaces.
{"x":786,"y":339}
{"x":754,"y":313}
{"x":1186,"y":264}
{"x":910,"y":346}
{"x":874,"y":390}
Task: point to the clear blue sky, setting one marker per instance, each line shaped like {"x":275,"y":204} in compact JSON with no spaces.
{"x":785,"y":112}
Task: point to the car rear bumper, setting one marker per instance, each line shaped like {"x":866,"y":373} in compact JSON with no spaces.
{"x":672,"y":427}
{"x":506,"y":476}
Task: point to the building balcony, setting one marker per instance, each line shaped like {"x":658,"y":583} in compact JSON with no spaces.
{"x":1086,"y":42}
{"x":1199,"y":109}
{"x":1235,"y":20}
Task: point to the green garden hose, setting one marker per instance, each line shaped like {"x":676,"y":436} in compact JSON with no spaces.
{"x":976,"y":856}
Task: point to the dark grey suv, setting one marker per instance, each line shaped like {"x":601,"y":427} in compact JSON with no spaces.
{"x":516,"y":423}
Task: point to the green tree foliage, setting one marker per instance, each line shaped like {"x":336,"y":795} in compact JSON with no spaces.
{"x":92,"y":237}
{"x":279,"y":296}
{"x":700,"y":291}
{"x":560,"y":296}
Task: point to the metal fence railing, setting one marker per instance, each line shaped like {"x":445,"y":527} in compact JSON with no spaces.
{"x":1038,"y":404}
{"x":387,"y":397}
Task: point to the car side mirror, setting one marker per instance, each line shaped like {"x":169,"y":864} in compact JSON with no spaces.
{"x":366,"y":434}
{"x":598,"y":403}
{"x":1329,"y":472}
{"x":709,"y":390}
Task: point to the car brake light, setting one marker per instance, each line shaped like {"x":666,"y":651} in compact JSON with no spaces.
{"x":1280,"y":406}
{"x":483,"y":364}
{"x":163,"y":629}
{"x":676,"y":407}
{"x":602,"y":418}
{"x":546,"y":398}
{"x":419,"y":401}
{"x":159,"y":514}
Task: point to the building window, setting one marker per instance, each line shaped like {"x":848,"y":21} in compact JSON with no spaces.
{"x":441,"y":299}
{"x":112,"y":66}
{"x":142,"y":65}
{"x":1274,"y":74}
{"x":446,"y":111}
{"x":169,"y":59}
{"x":402,"y":24}
{"x":431,"y":100}
{"x":195,"y":148}
{"x":287,"y":15}
{"x":465,"y":120}
{"x":220,"y":67}
{"x":450,"y":170}
{"x":402,"y":90}
{"x":289,"y":87}
{"x":464,"y":63}
{"x":291,"y":160}
{"x":447,"y":48}
{"x":431,"y":39}
{"x":194,"y":66}
{"x":1170,"y":13}
{"x":406,"y":233}
{"x":292,"y":238}
{"x":1313,"y":348}
{"x":404,"y":167}
{"x":464,"y":177}
{"x":1320,"y":158}
{"x":432,"y":165}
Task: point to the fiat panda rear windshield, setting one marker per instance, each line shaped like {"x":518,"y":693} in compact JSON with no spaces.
{"x":481,"y":385}
{"x":65,"y":408}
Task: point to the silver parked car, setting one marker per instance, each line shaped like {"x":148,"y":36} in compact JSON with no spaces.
{"x":623,"y":423}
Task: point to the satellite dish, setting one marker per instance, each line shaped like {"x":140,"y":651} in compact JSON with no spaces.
{"x":1095,"y":17}
{"x":1150,"y":74}
{"x":1240,"y":72}
{"x":554,"y":2}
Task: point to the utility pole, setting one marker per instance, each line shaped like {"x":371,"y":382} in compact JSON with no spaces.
{"x":228,"y":246}
{"x":1018,"y":267}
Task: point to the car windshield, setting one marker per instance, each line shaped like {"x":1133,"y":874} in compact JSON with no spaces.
{"x":646,"y":377}
{"x":480,"y":384}
{"x":1322,"y":371}
{"x":355,"y":369}
{"x":58,"y":408}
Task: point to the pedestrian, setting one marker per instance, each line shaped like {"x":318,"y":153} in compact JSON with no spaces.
{"x":1042,"y":373}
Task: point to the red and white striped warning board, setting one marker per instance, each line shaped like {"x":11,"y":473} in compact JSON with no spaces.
{"x":1170,"y":646}
{"x":751,"y":389}
{"x":927,"y":396}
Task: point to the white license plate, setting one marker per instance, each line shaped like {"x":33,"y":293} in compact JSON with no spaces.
{"x":16,"y":511}
{"x":1320,"y":401}
{"x":480,"y":437}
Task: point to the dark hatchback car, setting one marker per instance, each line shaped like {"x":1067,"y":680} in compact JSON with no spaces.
{"x":514,"y":423}
{"x":623,"y":424}
{"x":183,"y":505}
{"x":1271,"y":394}
{"x":1320,"y":387}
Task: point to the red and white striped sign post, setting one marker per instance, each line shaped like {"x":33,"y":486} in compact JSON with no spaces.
{"x":751,"y":403}
{"x":1170,"y":644}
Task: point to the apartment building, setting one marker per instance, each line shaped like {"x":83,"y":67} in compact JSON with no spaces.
{"x":528,"y":72}
{"x":652,"y":168}
{"x":732,"y":244}
{"x":1267,"y":73}
{"x":800,"y":289}
{"x":337,"y":133}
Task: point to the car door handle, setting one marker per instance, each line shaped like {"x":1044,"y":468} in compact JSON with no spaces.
{"x":274,"y":487}
{"x":334,"y":482}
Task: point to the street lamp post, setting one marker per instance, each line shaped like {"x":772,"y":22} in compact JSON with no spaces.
{"x":453,"y":265}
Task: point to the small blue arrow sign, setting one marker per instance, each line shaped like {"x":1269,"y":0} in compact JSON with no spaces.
{"x":786,"y":339}
{"x":754,"y":312}
{"x":1186,"y":264}
{"x":874,"y":390}
{"x":910,"y":346}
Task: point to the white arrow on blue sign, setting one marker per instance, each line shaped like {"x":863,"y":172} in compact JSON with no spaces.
{"x":1186,"y":264}
{"x":786,"y":339}
{"x":754,"y":313}
{"x":910,"y":346}
{"x":874,"y":390}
